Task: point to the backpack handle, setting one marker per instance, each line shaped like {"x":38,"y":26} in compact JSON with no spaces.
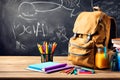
{"x":96,"y":8}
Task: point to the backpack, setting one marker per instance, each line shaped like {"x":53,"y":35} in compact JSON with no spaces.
{"x":91,"y":30}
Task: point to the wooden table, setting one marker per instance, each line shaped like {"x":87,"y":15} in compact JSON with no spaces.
{"x":14,"y":67}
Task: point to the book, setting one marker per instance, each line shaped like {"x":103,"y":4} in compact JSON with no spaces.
{"x":116,"y":45}
{"x":48,"y":67}
{"x":116,"y":41}
{"x":58,"y":69}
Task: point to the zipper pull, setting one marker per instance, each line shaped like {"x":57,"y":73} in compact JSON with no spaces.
{"x":88,"y":38}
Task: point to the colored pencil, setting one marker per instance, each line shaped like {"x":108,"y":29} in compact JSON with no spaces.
{"x":40,"y":48}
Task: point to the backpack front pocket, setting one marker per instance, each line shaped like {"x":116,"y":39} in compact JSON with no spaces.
{"x":81,"y":54}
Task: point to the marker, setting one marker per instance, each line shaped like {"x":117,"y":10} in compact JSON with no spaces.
{"x":88,"y":69}
{"x":87,"y":72}
{"x":105,"y":52}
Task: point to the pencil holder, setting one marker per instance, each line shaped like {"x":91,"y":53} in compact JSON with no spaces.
{"x":46,"y":58}
{"x":47,"y":50}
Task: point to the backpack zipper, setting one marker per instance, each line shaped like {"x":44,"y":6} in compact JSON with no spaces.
{"x":76,"y":54}
{"x":78,"y":46}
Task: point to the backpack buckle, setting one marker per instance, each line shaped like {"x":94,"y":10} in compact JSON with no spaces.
{"x":75,"y":35}
{"x":88,"y":38}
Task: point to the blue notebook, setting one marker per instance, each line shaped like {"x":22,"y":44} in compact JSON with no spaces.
{"x":44,"y":67}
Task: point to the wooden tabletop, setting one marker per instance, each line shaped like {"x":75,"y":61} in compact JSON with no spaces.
{"x":14,"y":67}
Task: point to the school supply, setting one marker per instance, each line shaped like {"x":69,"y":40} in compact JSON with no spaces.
{"x":47,"y":51}
{"x":67,"y":71}
{"x":118,"y":57}
{"x":88,"y":72}
{"x":116,"y":41}
{"x":91,"y":30}
{"x":82,"y":71}
{"x":48,"y":67}
{"x":58,"y":69}
{"x":78,"y":70}
{"x":115,"y":59}
{"x":114,"y":62}
{"x":101,"y":60}
{"x":47,"y":48}
{"x":88,"y":69}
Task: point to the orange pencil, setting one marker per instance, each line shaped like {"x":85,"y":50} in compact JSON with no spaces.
{"x":53,"y":47}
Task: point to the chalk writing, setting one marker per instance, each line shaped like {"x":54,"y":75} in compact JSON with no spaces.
{"x":39,"y":29}
{"x":25,"y":30}
{"x":28,"y":22}
{"x":72,"y":3}
{"x":31,"y":29}
{"x":29,"y":11}
{"x":61,"y":33}
{"x":20,"y":45}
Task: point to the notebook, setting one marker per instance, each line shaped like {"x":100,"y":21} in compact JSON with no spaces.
{"x":48,"y":67}
{"x":58,"y":69}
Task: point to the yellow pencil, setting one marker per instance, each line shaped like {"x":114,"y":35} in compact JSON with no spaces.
{"x":46,"y":48}
{"x":40,"y":48}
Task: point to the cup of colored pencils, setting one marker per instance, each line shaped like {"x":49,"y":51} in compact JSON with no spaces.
{"x":47,"y":51}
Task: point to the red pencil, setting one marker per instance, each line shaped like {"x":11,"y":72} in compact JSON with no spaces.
{"x":87,"y":72}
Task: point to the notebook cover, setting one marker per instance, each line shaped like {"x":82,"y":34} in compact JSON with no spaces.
{"x":54,"y":67}
{"x":58,"y":69}
{"x":46,"y":66}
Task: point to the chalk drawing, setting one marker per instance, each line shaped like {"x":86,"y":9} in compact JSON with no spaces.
{"x":27,"y":14}
{"x":25,"y":30}
{"x":61,"y":33}
{"x":40,"y":29}
{"x":19,"y":45}
{"x":28,"y":10}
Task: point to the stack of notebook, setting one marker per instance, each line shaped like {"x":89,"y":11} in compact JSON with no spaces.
{"x":49,"y":67}
{"x":116,"y":42}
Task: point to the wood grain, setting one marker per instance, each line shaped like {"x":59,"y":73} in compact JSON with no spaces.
{"x":14,"y":67}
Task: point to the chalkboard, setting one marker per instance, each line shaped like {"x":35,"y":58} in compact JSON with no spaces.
{"x":24,"y":23}
{"x":112,"y":8}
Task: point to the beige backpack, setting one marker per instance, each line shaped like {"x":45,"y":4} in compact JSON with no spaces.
{"x":91,"y":30}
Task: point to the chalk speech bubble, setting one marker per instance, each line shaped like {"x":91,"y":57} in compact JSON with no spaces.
{"x":28,"y":10}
